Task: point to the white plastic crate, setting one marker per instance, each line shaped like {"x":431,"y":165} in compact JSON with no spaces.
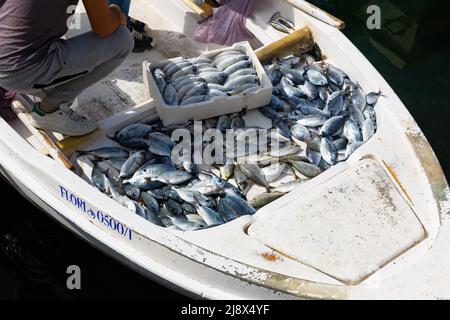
{"x":217,"y":106}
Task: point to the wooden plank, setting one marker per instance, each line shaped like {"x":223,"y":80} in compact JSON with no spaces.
{"x":24,"y":115}
{"x":299,"y":41}
{"x":318,"y":13}
{"x":204,"y":11}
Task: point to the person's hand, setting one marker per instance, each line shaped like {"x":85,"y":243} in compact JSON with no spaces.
{"x":118,"y":11}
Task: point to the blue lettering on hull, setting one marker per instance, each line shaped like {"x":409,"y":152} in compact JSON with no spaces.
{"x":95,"y":215}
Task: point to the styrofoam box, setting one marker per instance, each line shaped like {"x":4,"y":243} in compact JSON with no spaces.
{"x":217,"y":106}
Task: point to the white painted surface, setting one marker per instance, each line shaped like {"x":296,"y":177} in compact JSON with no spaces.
{"x":349,"y":228}
{"x":221,"y":262}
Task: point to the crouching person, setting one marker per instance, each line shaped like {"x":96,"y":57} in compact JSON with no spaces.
{"x":35,"y":60}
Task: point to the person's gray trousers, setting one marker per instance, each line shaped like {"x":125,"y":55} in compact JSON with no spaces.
{"x":71,"y":66}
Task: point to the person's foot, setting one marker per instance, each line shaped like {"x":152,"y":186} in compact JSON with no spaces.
{"x":134,"y":24}
{"x":66,"y":122}
{"x":141,"y":41}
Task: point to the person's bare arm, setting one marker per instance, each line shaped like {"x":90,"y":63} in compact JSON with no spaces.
{"x":104,"y":19}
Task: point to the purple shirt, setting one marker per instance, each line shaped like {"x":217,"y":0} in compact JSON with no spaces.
{"x":28,"y":27}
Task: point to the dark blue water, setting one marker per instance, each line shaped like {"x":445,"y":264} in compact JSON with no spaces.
{"x":412,"y":51}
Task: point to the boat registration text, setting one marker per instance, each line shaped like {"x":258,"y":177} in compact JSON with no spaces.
{"x":95,"y":215}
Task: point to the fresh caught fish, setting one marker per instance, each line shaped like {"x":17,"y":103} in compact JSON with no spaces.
{"x":229,"y":61}
{"x":317,"y":117}
{"x":372,"y":98}
{"x":331,"y":126}
{"x":335,"y":104}
{"x":210,"y":216}
{"x":195,"y":99}
{"x":182,"y":72}
{"x":312,"y":121}
{"x":264,"y":199}
{"x":328,"y":151}
{"x":158,"y":147}
{"x":106,"y":153}
{"x":240,"y":81}
{"x":306,"y":169}
{"x":253,"y":172}
{"x":160,"y":79}
{"x":368,"y":129}
{"x":300,"y":132}
{"x":150,"y":202}
{"x":174,"y":177}
{"x":238,"y":66}
{"x":352,"y":132}
{"x":98,"y":179}
{"x":316,"y":78}
{"x":133,"y":131}
{"x":242,"y":72}
{"x":170,"y":95}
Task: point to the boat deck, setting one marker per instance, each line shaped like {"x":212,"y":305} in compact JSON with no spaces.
{"x":124,"y":88}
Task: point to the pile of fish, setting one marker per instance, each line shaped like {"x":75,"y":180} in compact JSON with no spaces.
{"x":316,"y":103}
{"x":188,"y":81}
{"x":317,"y":118}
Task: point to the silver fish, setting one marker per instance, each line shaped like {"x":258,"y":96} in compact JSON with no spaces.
{"x":336,"y":75}
{"x":239,"y":90}
{"x":352,"y":132}
{"x":331,"y":126}
{"x":310,"y":90}
{"x":158,"y":147}
{"x":240,"y":81}
{"x":184,"y":90}
{"x":368,"y":129}
{"x":300,"y":132}
{"x":335,"y":104}
{"x":182,"y":72}
{"x":316,"y":78}
{"x":195,"y":99}
{"x":242,"y":72}
{"x":264,"y":199}
{"x":372,"y":98}
{"x":132,"y":164}
{"x":351,"y":148}
{"x":150,"y":202}
{"x":185,"y":80}
{"x":306,"y":169}
{"x":106,"y":153}
{"x":153,"y":170}
{"x":170,"y":70}
{"x":214,"y":77}
{"x":134,"y":131}
{"x":210,"y":216}
{"x":341,"y":143}
{"x":217,"y":93}
{"x":160,"y":79}
{"x":230,"y":61}
{"x":227,"y":53}
{"x":312,"y":121}
{"x":293,"y":75}
{"x":328,"y":151}
{"x":98,"y":179}
{"x":358,"y":99}
{"x":116,"y":163}
{"x":238,"y":66}
{"x":170,"y":95}
{"x":174,"y":177}
{"x":313,"y":157}
{"x":253,"y":172}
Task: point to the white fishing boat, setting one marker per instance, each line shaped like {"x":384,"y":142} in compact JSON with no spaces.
{"x":374,"y":227}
